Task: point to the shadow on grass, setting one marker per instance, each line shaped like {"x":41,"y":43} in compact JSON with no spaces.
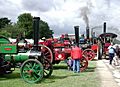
{"x":54,"y":78}
{"x":60,"y":67}
{"x":94,"y":60}
{"x":10,"y":76}
{"x":62,"y":77}
{"x":90,"y":69}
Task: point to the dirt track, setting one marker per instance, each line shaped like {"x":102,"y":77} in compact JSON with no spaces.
{"x":107,"y":74}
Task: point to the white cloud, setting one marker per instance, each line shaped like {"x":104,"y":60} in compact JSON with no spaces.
{"x":8,"y":9}
{"x":63,"y":15}
{"x":37,"y":5}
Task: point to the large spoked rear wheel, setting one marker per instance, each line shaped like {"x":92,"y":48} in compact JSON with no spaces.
{"x":83,"y":63}
{"x":47,"y":52}
{"x":32,"y":71}
{"x":89,"y":54}
{"x":48,"y":68}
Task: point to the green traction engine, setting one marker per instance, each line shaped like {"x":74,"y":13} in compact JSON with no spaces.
{"x":33,"y":64}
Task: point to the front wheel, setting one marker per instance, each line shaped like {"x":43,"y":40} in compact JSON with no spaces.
{"x":32,"y":71}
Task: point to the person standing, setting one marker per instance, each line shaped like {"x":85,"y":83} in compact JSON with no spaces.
{"x":76,"y":55}
{"x":118,"y":51}
{"x":112,"y":52}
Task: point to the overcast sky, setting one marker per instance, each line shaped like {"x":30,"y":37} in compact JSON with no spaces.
{"x":63,"y":15}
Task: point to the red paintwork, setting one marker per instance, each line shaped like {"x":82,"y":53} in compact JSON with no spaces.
{"x":106,"y":47}
{"x":58,"y":44}
{"x":59,"y":56}
{"x":89,"y":54}
{"x":94,"y":47}
{"x":66,"y":42}
{"x":67,"y":50}
{"x":8,"y":49}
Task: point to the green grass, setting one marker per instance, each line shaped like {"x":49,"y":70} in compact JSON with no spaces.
{"x":61,"y":77}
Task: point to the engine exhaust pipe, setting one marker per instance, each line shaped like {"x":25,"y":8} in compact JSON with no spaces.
{"x":87,"y":33}
{"x":36,"y":32}
{"x":76,"y":35}
{"x":104,"y":27}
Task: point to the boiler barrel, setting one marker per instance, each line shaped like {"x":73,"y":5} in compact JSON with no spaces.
{"x":16,"y":58}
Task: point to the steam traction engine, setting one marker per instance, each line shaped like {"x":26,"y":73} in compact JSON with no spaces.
{"x":104,"y":41}
{"x":34,"y":66}
{"x":88,"y":45}
{"x":62,"y":50}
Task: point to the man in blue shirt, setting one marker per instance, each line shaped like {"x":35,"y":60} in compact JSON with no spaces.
{"x":111,"y":51}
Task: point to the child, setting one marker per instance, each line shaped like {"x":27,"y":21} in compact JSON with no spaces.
{"x":70,"y":64}
{"x":116,"y":60}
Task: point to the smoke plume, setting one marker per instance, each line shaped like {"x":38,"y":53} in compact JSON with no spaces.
{"x":85,"y":11}
{"x":84,"y":14}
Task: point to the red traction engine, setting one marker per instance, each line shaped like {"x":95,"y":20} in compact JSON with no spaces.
{"x":104,"y":41}
{"x":62,"y":50}
{"x":89,"y":50}
{"x":88,"y":45}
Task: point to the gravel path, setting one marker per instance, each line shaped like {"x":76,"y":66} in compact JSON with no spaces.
{"x":106,"y":73}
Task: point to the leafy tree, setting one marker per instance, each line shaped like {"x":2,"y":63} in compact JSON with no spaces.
{"x":11,"y":30}
{"x":25,"y":23}
{"x":45,"y":30}
{"x":4,"y":33}
{"x":23,"y":26}
{"x":4,"y":21}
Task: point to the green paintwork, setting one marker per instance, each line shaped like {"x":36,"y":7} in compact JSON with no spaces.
{"x":4,"y":40}
{"x":32,"y":71}
{"x":16,"y":58}
{"x":8,"y":48}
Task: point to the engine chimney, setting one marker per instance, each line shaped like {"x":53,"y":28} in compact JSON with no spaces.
{"x":36,"y":31}
{"x":104,"y":27}
{"x":87,"y":32}
{"x":76,"y":35}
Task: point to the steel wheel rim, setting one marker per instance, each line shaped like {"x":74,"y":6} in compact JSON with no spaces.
{"x":89,"y":54}
{"x":47,"y":52}
{"x":83,"y":64}
{"x":48,"y":68}
{"x":32,"y":71}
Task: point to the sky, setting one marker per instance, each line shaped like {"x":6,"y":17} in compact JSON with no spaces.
{"x":63,"y":15}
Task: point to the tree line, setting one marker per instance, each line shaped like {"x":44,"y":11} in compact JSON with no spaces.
{"x":24,"y":26}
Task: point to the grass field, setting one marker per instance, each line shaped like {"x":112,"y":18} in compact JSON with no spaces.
{"x":61,"y":77}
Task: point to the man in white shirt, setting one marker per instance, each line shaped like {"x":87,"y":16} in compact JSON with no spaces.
{"x":111,"y":51}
